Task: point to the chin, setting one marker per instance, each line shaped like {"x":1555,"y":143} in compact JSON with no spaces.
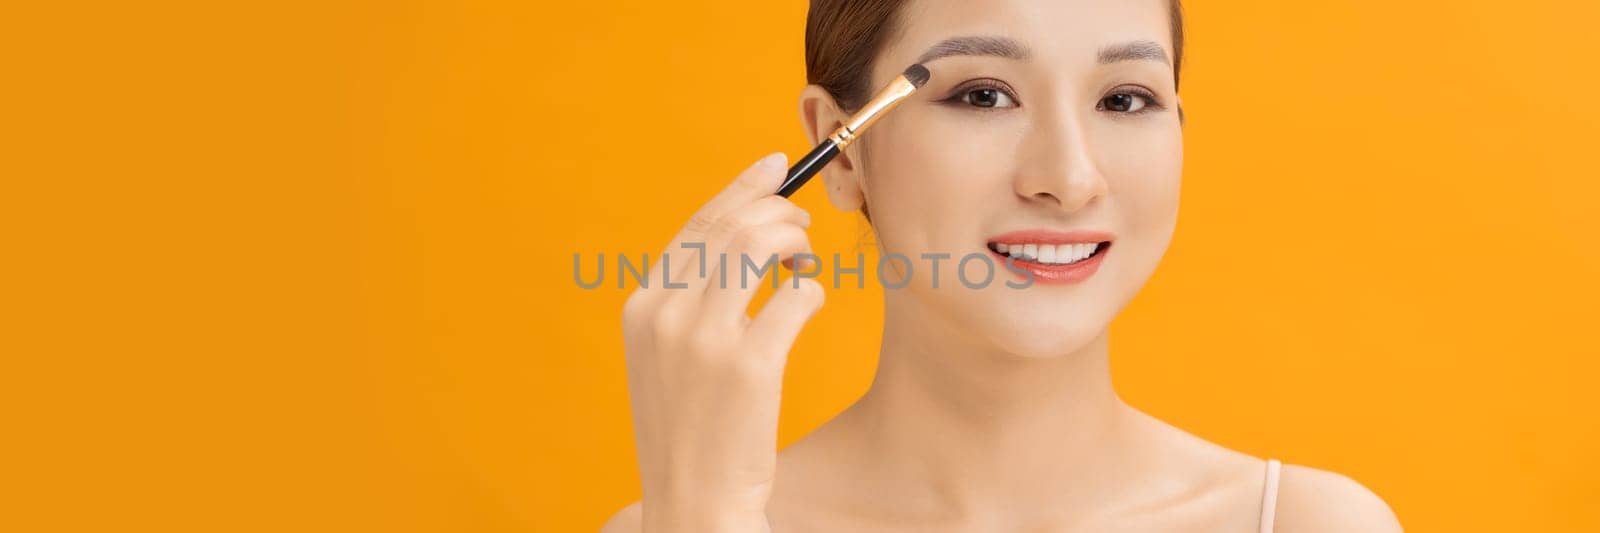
{"x":1063,"y":339}
{"x":1042,"y":332}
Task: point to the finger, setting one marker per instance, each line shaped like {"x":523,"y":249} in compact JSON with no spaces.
{"x":778,"y":324}
{"x":757,"y":181}
{"x":761,"y":212}
{"x":728,"y":268}
{"x":751,"y":254}
{"x":808,"y":262}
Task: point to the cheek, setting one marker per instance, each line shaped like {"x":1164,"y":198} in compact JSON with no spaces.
{"x":923,"y":176}
{"x":1144,"y":173}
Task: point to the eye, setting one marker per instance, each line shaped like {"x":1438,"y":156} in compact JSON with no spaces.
{"x":1130,"y":101}
{"x":983,"y":93}
{"x":988,"y":97}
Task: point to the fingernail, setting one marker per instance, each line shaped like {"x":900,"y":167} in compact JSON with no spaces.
{"x":775,"y":161}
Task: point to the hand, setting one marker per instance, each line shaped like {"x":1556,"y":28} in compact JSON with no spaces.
{"x":704,"y":377}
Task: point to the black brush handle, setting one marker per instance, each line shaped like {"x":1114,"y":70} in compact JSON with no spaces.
{"x":808,"y":166}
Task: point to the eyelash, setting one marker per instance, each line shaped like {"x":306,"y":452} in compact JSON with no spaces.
{"x":1151,"y":103}
{"x":961,"y":92}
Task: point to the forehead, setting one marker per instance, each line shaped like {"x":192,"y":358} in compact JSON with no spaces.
{"x":1064,"y":33}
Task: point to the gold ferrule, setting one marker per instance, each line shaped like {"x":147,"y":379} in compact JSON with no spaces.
{"x":880,"y":104}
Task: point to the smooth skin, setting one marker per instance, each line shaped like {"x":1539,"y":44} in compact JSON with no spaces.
{"x":992,"y":409}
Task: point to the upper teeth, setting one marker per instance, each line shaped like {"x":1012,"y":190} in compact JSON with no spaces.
{"x":1058,"y":254}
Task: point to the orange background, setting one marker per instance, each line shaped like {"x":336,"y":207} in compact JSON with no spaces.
{"x":306,"y":266}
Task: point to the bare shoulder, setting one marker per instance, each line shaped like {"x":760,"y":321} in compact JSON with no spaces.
{"x":1313,"y":500}
{"x":627,"y":520}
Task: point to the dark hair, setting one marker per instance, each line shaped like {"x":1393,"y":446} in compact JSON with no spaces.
{"x":844,"y":36}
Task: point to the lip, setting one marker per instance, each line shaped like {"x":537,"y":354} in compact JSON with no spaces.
{"x":1053,"y":274}
{"x":1051,"y":236}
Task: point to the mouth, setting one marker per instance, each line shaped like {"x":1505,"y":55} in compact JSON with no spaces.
{"x":1050,"y":254}
{"x":1052,"y":257}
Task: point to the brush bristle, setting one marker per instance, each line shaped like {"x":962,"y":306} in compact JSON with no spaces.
{"x":917,"y":75}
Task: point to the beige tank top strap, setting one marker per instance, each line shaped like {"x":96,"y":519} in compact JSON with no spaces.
{"x":1269,"y":495}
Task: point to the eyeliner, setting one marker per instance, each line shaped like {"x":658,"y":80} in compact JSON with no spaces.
{"x":898,"y":89}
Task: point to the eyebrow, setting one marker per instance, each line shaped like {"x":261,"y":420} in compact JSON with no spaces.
{"x":1005,"y":47}
{"x":975,"y":46}
{"x":1133,"y":51}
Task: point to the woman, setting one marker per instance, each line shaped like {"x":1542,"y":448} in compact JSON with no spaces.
{"x":1048,"y":126}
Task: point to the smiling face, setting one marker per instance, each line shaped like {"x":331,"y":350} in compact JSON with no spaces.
{"x":1048,"y":126}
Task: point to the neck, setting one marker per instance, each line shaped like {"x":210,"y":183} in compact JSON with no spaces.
{"x":972,"y":427}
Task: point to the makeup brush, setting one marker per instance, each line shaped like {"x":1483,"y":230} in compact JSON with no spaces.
{"x":887,"y":98}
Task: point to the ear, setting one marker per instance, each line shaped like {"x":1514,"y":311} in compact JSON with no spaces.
{"x":820,"y":115}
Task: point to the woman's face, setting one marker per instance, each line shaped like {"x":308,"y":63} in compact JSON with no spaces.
{"x":1045,"y":123}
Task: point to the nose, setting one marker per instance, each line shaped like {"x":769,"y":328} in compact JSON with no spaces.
{"x":1057,"y":165}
